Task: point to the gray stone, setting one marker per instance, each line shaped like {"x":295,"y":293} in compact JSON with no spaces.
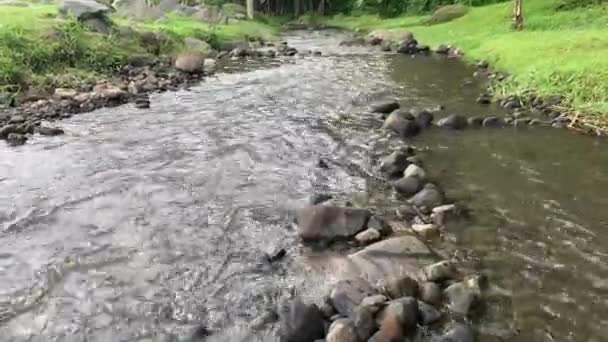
{"x":429,"y":197}
{"x":50,"y":131}
{"x":405,"y":309}
{"x":424,"y":118}
{"x":7,"y":129}
{"x":363,"y":319}
{"x":374,"y":301}
{"x":100,"y":25}
{"x":443,"y":213}
{"x":416,"y":171}
{"x":320,"y":222}
{"x":401,"y":286}
{"x":407,"y":186}
{"x":442,"y":49}
{"x":460,"y":333}
{"x":395,"y":163}
{"x":453,"y":121}
{"x":492,"y":121}
{"x":430,"y":292}
{"x":17,"y":119}
{"x":440,"y":271}
{"x":463,"y":295}
{"x":407,"y":212}
{"x":380,"y":225}
{"x":404,"y":127}
{"x":190,"y":62}
{"x":301,"y":322}
{"x":426,"y":230}
{"x":427,"y":313}
{"x":368,"y":236}
{"x":83,"y":9}
{"x":391,"y":330}
{"x":341,"y":330}
{"x":16,"y":139}
{"x":385,"y":107}
{"x":138,"y":9}
{"x":347,"y":294}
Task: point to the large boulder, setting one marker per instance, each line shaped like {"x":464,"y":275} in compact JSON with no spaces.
{"x":190,"y":62}
{"x":301,"y":322}
{"x":83,"y":9}
{"x":320,"y":222}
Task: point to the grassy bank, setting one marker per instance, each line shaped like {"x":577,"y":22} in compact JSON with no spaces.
{"x":559,"y":52}
{"x":38,"y":48}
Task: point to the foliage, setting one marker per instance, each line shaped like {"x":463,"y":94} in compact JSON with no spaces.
{"x":559,"y":52}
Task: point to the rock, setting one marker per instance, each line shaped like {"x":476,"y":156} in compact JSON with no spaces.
{"x":440,"y":271}
{"x":380,"y":225}
{"x":453,"y":121}
{"x":319,"y":222}
{"x":406,"y":212}
{"x":429,"y":197}
{"x":209,"y":65}
{"x":16,"y":139}
{"x":415,"y":171}
{"x":427,"y":231}
{"x":276,"y":255}
{"x":443,"y":213}
{"x":110,"y":92}
{"x":416,"y":160}
{"x":521,"y":122}
{"x":316,"y":53}
{"x":442,"y":49}
{"x":460,"y":333}
{"x":363,"y":319}
{"x":50,"y":131}
{"x":401,"y":286}
{"x":391,"y":330}
{"x":427,"y":313}
{"x":327,"y":308}
{"x":374,"y":301}
{"x":17,"y":119}
{"x":483,"y":64}
{"x":64,"y":93}
{"x":142,"y":102}
{"x":430,"y":292}
{"x":407,"y":186}
{"x":404,"y":127}
{"x":424,"y":118}
{"x":405,"y":309}
{"x":132,"y":88}
{"x":290,"y":52}
{"x":190,"y":62}
{"x":386,"y":46}
{"x":346,"y":295}
{"x":341,"y":330}
{"x":82,"y":9}
{"x":100,"y":25}
{"x":25,"y":128}
{"x":373,"y":40}
{"x":301,"y":323}
{"x":475,"y":122}
{"x":197,"y":45}
{"x":319,"y":198}
{"x":492,"y":121}
{"x":463,"y":295}
{"x":7,"y":129}
{"x":424,"y":48}
{"x":368,"y":236}
{"x":395,"y":163}
{"x":385,"y":107}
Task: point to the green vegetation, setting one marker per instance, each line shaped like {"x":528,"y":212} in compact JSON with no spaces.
{"x":559,"y":51}
{"x":448,"y":13}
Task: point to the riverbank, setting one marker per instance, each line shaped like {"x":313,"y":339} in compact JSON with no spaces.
{"x":560,"y":51}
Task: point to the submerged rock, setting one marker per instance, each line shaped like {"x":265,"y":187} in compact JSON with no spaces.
{"x":395,"y":163}
{"x":320,"y":222}
{"x":16,"y":139}
{"x":385,"y":107}
{"x":424,"y":118}
{"x":492,"y":121}
{"x":453,"y":121}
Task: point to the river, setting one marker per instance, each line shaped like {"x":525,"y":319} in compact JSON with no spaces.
{"x":138,"y":222}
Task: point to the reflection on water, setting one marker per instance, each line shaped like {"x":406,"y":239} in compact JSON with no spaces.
{"x":143,"y":221}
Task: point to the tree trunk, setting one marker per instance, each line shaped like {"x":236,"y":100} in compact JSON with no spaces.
{"x":296,"y":8}
{"x":250,"y":6}
{"x":321,"y":9}
{"x":518,"y":15}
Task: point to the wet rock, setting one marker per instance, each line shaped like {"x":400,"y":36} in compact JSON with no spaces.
{"x":537,"y":122}
{"x":521,"y":122}
{"x":442,"y":49}
{"x":484,"y":99}
{"x":301,"y":322}
{"x":290,"y":52}
{"x":317,"y":53}
{"x":395,"y":163}
{"x":453,"y":121}
{"x":319,"y":198}
{"x":401,"y":286}
{"x":109,"y":92}
{"x":50,"y":131}
{"x":404,"y":127}
{"x":443,"y":213}
{"x":374,"y":301}
{"x":320,"y":222}
{"x":276,"y":255}
{"x":368,"y":236}
{"x":321,"y":163}
{"x":17,"y":119}
{"x":429,"y":197}
{"x":430,"y":292}
{"x":377,"y":223}
{"x":424,"y":48}
{"x":440,"y":271}
{"x":427,"y":313}
{"x":460,"y":333}
{"x":415,"y":171}
{"x":341,"y":330}
{"x":385,"y":107}
{"x":511,"y":104}
{"x":492,"y":121}
{"x":406,"y":212}
{"x":416,"y":160}
{"x":16,"y":139}
{"x":475,"y":122}
{"x":386,"y":46}
{"x":190,"y":62}
{"x":424,"y":118}
{"x":199,"y":334}
{"x":346,"y":295}
{"x":391,"y":330}
{"x":25,"y":128}
{"x":374,"y":40}
{"x":407,"y":186}
{"x":327,"y":308}
{"x":427,"y":230}
{"x":7,"y":129}
{"x":408,"y":47}
{"x":405,"y":309}
{"x":463,"y":295}
{"x":142,"y":103}
{"x":363,"y":319}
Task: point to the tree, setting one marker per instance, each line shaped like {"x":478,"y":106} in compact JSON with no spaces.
{"x":250,"y":6}
{"x":518,"y":15}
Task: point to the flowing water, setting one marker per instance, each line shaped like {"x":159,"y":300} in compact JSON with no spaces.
{"x":138,"y":222}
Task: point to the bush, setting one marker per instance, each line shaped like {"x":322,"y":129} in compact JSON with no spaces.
{"x":448,"y":13}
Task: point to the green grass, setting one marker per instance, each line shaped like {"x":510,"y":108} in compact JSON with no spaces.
{"x":34,"y":18}
{"x":559,"y":52}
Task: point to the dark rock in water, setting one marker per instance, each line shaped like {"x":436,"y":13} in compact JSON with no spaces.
{"x":25,"y":128}
{"x":320,"y":198}
{"x":463,"y":295}
{"x":322,"y":164}
{"x":375,"y":41}
{"x":276,"y":255}
{"x":348,"y":294}
{"x":484,"y":99}
{"x":492,"y":121}
{"x":395,"y":163}
{"x":317,"y":53}
{"x":511,"y":104}
{"x":17,"y":119}
{"x":385,"y":107}
{"x":51,"y":131}
{"x":401,"y":286}
{"x":428,"y":314}
{"x":405,"y":309}
{"x":440,"y":271}
{"x":407,"y":186}
{"x":453,"y":121}
{"x":460,"y":333}
{"x":442,"y":49}
{"x":416,"y":160}
{"x":408,"y":47}
{"x":521,"y":122}
{"x":15,"y":139}
{"x":424,"y":48}
{"x":8,"y":129}
{"x":199,"y":334}
{"x":404,"y":127}
{"x":142,"y":102}
{"x":342,"y":330}
{"x":363,"y":319}
{"x":353,"y":41}
{"x":429,"y":197}
{"x":301,"y":322}
{"x":424,"y":118}
{"x":290,"y":51}
{"x":327,"y":223}
{"x":475,"y":122}
{"x":430,"y":292}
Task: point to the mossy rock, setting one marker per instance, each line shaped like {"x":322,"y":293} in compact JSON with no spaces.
{"x":448,"y":13}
